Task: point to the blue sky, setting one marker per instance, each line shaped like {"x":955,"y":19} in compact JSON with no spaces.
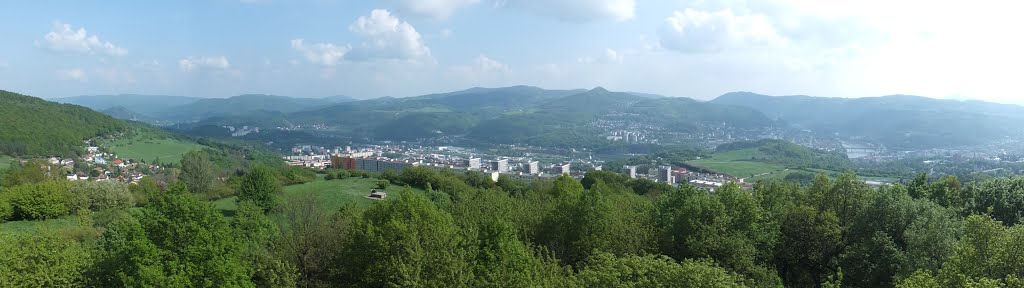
{"x":697,"y":49}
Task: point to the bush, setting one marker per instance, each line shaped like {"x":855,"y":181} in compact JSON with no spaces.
{"x":6,"y":210}
{"x":341,"y":174}
{"x":98,"y":196}
{"x":329,"y":176}
{"x":41,"y":260}
{"x":383,"y":184}
{"x":45,"y":200}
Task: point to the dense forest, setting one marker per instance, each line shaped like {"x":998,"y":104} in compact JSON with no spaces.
{"x":463,"y":230}
{"x":36,"y":127}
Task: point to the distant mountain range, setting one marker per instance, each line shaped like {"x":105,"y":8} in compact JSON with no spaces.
{"x":898,"y":121}
{"x":161,"y":109}
{"x":568,"y":118}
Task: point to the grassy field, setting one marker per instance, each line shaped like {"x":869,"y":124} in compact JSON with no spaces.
{"x":169,"y":150}
{"x":5,"y":161}
{"x":737,"y":163}
{"x":331,"y":195}
{"x":17,"y":227}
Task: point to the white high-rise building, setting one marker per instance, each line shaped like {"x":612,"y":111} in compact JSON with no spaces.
{"x":563,"y":168}
{"x":533,"y":168}
{"x":630,"y":170}
{"x":472,"y":163}
{"x":500,"y":165}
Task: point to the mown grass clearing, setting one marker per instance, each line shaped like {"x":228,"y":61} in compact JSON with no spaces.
{"x":58,"y":224}
{"x":144,"y":147}
{"x":5,"y":161}
{"x":737,"y":163}
{"x":330,"y":194}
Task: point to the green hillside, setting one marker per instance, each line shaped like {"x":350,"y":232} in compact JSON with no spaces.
{"x":33,"y":126}
{"x":897,"y":121}
{"x":239,"y":105}
{"x":754,"y":158}
{"x":517,"y":114}
{"x":143,"y":104}
{"x":150,"y":146}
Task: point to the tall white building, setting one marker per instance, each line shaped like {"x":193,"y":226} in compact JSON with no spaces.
{"x":630,"y":170}
{"x":563,"y":168}
{"x":533,"y":168}
{"x":472,"y":163}
{"x":500,"y":165}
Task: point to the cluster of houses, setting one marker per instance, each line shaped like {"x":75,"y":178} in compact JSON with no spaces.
{"x":103,"y":167}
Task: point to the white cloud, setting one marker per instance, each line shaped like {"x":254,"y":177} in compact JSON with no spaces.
{"x":193,"y":63}
{"x":325,"y":54}
{"x":694,"y":30}
{"x":75,"y":74}
{"x":482,"y":71}
{"x":577,"y":10}
{"x":65,"y":39}
{"x":610,"y":56}
{"x":387,"y":37}
{"x":485,"y":64}
{"x":438,"y":9}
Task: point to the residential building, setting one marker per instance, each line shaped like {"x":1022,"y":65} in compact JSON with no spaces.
{"x":563,"y":168}
{"x":500,"y":165}
{"x":630,"y":170}
{"x":533,"y":168}
{"x":665,"y":174}
{"x":472,"y":163}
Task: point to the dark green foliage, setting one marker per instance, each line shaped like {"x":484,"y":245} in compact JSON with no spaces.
{"x":292,"y":175}
{"x":140,"y":192}
{"x":809,"y":240}
{"x":175,"y":240}
{"x":197,"y":172}
{"x":1002,"y":197}
{"x":260,"y":187}
{"x":44,"y":200}
{"x":606,"y":218}
{"x":427,"y":238}
{"x":259,"y":237}
{"x":467,"y":231}
{"x":675,"y":156}
{"x":382,"y":183}
{"x":36,"y":127}
{"x":42,"y":260}
{"x":607,"y":270}
{"x":638,"y":186}
{"x":724,"y":227}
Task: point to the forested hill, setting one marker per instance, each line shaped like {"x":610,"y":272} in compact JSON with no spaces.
{"x":897,"y":121}
{"x":787,"y":154}
{"x":33,"y":126}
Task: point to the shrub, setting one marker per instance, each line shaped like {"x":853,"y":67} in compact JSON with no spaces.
{"x":6,"y":210}
{"x":98,"y":196}
{"x":41,"y":260}
{"x":45,"y":200}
